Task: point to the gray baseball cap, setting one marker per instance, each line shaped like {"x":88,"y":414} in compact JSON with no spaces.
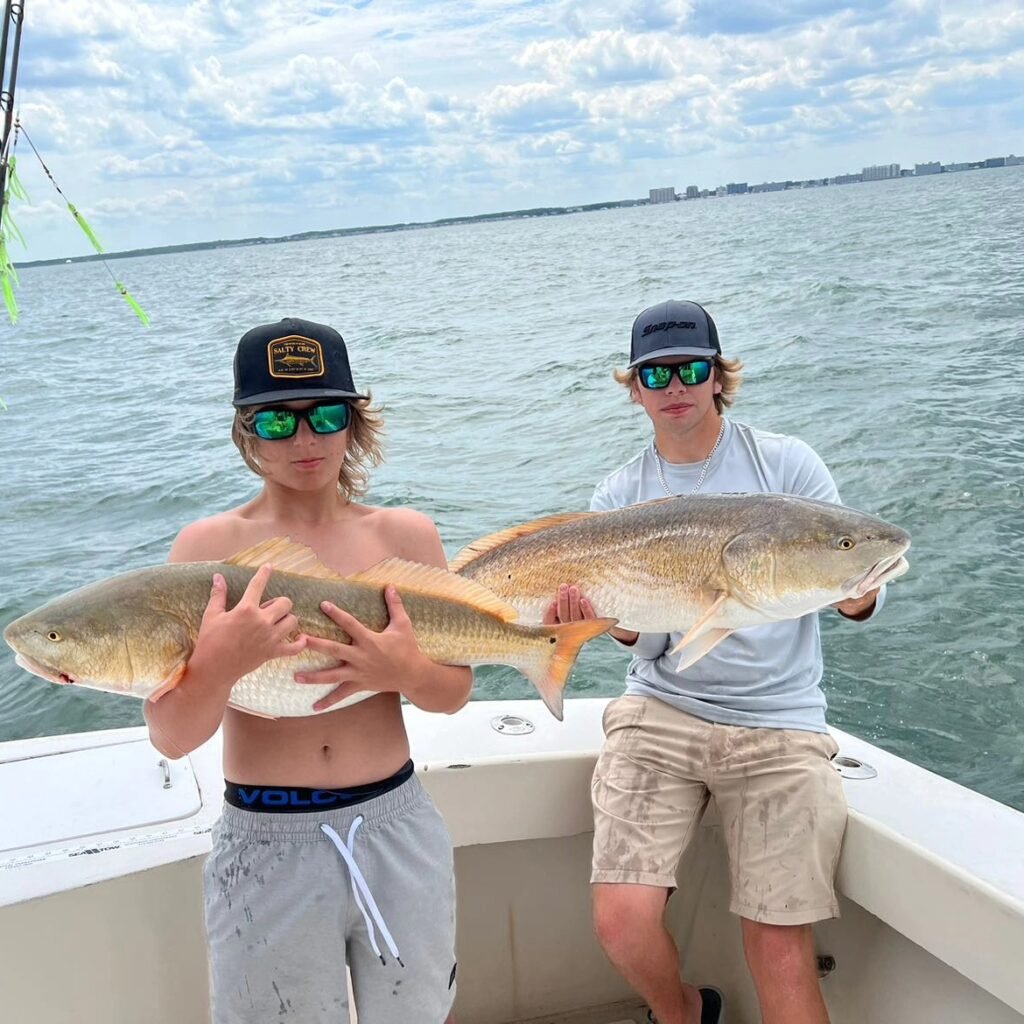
{"x":673,"y":329}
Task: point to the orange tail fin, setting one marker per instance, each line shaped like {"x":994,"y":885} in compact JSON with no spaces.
{"x":551,"y":675}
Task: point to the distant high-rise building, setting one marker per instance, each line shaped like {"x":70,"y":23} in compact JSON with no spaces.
{"x":930,"y":168}
{"x":662,"y":195}
{"x":692,"y":191}
{"x":736,"y":188}
{"x":996,"y":161}
{"x":879,"y":172}
{"x":845,"y":179}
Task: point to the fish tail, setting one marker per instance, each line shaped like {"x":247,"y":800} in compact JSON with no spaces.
{"x":551,"y":673}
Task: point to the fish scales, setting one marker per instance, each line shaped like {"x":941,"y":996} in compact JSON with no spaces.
{"x":661,"y":566}
{"x":134,"y":633}
{"x":447,"y":632}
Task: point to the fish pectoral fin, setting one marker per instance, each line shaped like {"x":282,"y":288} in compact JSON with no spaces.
{"x":696,"y":649}
{"x":479,"y":547}
{"x":287,"y":556}
{"x":433,"y":581}
{"x":172,"y":680}
{"x":703,"y":624}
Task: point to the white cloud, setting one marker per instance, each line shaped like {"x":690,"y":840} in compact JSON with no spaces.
{"x":528,"y":107}
{"x":314,"y":109}
{"x":606,"y":57}
{"x":157,"y":204}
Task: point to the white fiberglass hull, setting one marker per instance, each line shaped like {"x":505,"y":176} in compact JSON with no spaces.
{"x":101,"y":926}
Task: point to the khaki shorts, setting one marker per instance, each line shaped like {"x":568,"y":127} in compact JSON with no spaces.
{"x":780,"y":800}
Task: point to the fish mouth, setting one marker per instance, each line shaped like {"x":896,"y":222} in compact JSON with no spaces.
{"x":882,"y":572}
{"x":52,"y":675}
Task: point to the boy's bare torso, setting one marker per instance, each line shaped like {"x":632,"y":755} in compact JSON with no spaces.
{"x":361,"y":743}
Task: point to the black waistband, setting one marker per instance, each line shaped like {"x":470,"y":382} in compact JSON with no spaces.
{"x":293,"y":799}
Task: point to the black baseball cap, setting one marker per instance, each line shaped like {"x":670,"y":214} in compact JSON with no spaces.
{"x":290,"y":361}
{"x":673,"y":329}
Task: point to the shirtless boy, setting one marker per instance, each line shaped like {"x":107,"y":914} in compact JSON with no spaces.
{"x":292,"y":894}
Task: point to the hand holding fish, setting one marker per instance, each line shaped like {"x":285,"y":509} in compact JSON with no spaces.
{"x":373,"y":662}
{"x":239,"y":641}
{"x":569,"y":606}
{"x":857,"y":607}
{"x":572,"y":606}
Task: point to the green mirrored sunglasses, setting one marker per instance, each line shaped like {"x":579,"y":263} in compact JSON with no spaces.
{"x":656,"y":376}
{"x":278,"y":424}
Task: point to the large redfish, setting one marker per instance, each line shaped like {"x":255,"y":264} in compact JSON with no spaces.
{"x":135,"y":632}
{"x":703,"y":565}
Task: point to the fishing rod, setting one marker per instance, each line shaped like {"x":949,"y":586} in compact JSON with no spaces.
{"x":14,"y":16}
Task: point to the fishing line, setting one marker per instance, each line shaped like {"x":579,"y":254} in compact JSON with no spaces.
{"x":89,"y":233}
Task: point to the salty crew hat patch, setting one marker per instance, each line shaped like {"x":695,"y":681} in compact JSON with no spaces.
{"x":290,"y":361}
{"x":673,"y":329}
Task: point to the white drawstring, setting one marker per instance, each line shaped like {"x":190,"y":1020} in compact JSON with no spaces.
{"x":359,"y":882}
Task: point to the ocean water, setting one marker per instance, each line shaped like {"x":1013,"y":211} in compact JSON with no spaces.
{"x":883,"y":323}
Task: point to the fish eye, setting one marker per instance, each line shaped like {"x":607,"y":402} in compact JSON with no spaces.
{"x":54,"y":636}
{"x":845,"y":543}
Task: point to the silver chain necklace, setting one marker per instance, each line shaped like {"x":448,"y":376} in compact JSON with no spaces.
{"x":703,"y":470}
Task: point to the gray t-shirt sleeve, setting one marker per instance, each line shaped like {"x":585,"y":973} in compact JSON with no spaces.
{"x":648,"y":645}
{"x":601,"y":501}
{"x":808,"y":476}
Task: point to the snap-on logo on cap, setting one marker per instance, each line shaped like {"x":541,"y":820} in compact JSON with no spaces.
{"x":295,"y":356}
{"x":667,"y":325}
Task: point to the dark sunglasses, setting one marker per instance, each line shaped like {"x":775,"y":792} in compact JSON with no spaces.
{"x":278,"y":424}
{"x":656,"y":376}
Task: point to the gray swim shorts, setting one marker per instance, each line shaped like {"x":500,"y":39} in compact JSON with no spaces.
{"x":291,"y":898}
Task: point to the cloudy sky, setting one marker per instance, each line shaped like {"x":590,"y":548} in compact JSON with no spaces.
{"x":169,"y":121}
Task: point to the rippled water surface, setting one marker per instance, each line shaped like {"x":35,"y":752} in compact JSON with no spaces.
{"x":883,"y":323}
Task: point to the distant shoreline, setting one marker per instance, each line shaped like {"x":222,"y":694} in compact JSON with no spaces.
{"x":480,"y":218}
{"x":301,"y":236}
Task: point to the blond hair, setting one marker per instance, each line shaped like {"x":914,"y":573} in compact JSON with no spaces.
{"x":728,"y":372}
{"x":365,"y":444}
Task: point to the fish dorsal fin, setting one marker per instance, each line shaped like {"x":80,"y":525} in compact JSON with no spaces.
{"x":410,"y":577}
{"x":433,"y":581}
{"x":286,"y":555}
{"x":473,"y":551}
